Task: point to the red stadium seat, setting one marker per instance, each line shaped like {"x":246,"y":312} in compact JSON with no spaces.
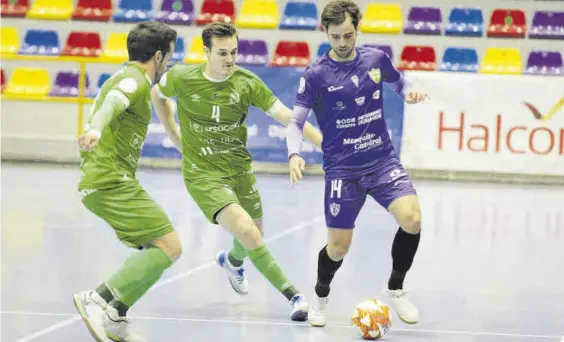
{"x":290,"y":53}
{"x":2,"y":79}
{"x":93,"y":10}
{"x":19,"y":9}
{"x":87,"y":44}
{"x":507,"y":23}
{"x":216,"y":10}
{"x":418,"y":58}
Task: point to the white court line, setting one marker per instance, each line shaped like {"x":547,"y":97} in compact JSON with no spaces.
{"x":340,"y":325}
{"x":180,"y":276}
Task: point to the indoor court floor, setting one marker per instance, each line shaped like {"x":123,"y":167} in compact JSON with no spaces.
{"x":489,"y":266}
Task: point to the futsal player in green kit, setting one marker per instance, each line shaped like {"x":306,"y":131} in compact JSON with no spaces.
{"x":213,"y":101}
{"x":110,"y":149}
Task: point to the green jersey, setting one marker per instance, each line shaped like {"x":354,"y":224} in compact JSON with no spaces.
{"x":211,"y":115}
{"x":116,"y":156}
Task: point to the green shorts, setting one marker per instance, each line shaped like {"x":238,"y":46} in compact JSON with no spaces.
{"x":136,"y":218}
{"x":214,"y":194}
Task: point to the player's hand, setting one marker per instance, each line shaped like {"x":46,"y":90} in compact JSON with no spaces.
{"x":89,"y":140}
{"x":415,"y":97}
{"x":297,"y":167}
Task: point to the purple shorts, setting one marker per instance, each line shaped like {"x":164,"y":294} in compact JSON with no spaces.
{"x":345,"y":197}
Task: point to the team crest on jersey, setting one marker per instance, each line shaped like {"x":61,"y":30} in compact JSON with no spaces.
{"x":375,"y":75}
{"x":335,"y":209}
{"x":234,"y":98}
{"x":354,"y":80}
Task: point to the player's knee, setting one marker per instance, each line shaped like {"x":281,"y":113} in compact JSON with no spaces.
{"x":170,"y":244}
{"x":247,"y":233}
{"x":338,"y":249}
{"x":412,"y":222}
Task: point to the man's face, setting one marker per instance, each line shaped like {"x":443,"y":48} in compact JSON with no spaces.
{"x":161,"y":67}
{"x":342,"y":38}
{"x":222,"y":55}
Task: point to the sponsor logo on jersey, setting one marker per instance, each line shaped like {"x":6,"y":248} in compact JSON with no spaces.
{"x":360,"y":100}
{"x":354,"y":80}
{"x":136,"y":141}
{"x":333,"y":88}
{"x":346,"y":123}
{"x":366,"y":141}
{"x":369,"y":117}
{"x":196,"y":97}
{"x":234,"y":98}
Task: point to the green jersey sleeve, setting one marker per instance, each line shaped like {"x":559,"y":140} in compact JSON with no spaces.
{"x":261,"y":96}
{"x":167,"y":84}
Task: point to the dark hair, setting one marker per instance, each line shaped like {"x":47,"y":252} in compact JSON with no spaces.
{"x":218,"y":30}
{"x":146,"y":38}
{"x":335,"y":13}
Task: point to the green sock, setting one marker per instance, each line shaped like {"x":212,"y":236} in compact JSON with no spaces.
{"x":138,"y":273}
{"x":237,"y":254}
{"x":268,"y":267}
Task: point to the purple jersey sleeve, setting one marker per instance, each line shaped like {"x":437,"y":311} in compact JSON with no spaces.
{"x":307,"y":91}
{"x":397,"y":82}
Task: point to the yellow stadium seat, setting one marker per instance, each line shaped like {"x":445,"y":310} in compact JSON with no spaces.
{"x":10,"y":40}
{"x":196,"y":51}
{"x":51,"y":9}
{"x":502,"y":61}
{"x":116,"y":47}
{"x":259,"y":14}
{"x":28,"y":82}
{"x":382,"y":18}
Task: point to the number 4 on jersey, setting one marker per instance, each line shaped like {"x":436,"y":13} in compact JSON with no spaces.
{"x":215,"y":113}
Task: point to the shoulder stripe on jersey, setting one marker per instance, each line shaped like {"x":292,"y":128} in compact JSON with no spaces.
{"x":275,"y":107}
{"x":120,"y":96}
{"x":160,"y":93}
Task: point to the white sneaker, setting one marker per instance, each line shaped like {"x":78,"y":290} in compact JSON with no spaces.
{"x":405,"y":310}
{"x":91,"y":306}
{"x":119,"y":328}
{"x":236,"y":275}
{"x":299,"y":308}
{"x":316,"y":315}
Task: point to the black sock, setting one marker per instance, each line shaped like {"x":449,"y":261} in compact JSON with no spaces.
{"x":105,"y":293}
{"x":403,"y":251}
{"x":234,"y":262}
{"x":326,"y":269}
{"x":290,"y":292}
{"x":120,"y":307}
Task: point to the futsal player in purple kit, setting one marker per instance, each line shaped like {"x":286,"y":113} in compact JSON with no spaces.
{"x":344,"y":88}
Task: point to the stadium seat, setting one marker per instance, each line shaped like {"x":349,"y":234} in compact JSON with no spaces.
{"x":41,"y":42}
{"x":386,"y":48}
{"x":418,"y":58}
{"x":2,"y":79}
{"x":176,"y":12}
{"x":216,"y":10}
{"x":51,"y":9}
{"x":133,"y":11}
{"x":196,"y":51}
{"x":251,"y":51}
{"x":502,"y":61}
{"x":10,"y":40}
{"x":179,"y":53}
{"x":382,"y":18}
{"x":87,"y":44}
{"x":547,"y":25}
{"x":28,"y":82}
{"x":465,"y":22}
{"x":322,"y":49}
{"x":424,"y":20}
{"x":299,"y":16}
{"x":291,"y":53}
{"x":507,"y":23}
{"x":12,"y":8}
{"x":259,"y":14}
{"x":93,"y":10}
{"x":116,"y":47}
{"x":545,"y":63}
{"x":103,"y":78}
{"x":66,"y":84}
{"x":460,"y":60}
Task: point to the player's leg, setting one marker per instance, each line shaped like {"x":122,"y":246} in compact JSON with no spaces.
{"x":249,"y":198}
{"x":141,"y":223}
{"x":343,"y":201}
{"x":395,"y":192}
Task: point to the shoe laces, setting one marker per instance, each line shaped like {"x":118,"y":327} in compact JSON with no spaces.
{"x":240,"y":275}
{"x":396,"y":294}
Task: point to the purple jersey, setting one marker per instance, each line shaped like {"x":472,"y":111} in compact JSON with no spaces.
{"x":348,"y":104}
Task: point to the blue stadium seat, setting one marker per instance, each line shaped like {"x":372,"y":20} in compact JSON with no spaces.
{"x":323,"y":47}
{"x":460,"y":60}
{"x":103,"y":78}
{"x":179,"y":51}
{"x":299,"y":16}
{"x":41,"y":42}
{"x":133,"y":11}
{"x":465,"y":22}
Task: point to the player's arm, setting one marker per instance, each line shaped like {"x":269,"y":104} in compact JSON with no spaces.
{"x":283,"y":114}
{"x":115,"y":103}
{"x":294,"y":137}
{"x":161,"y":95}
{"x":399,"y":83}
